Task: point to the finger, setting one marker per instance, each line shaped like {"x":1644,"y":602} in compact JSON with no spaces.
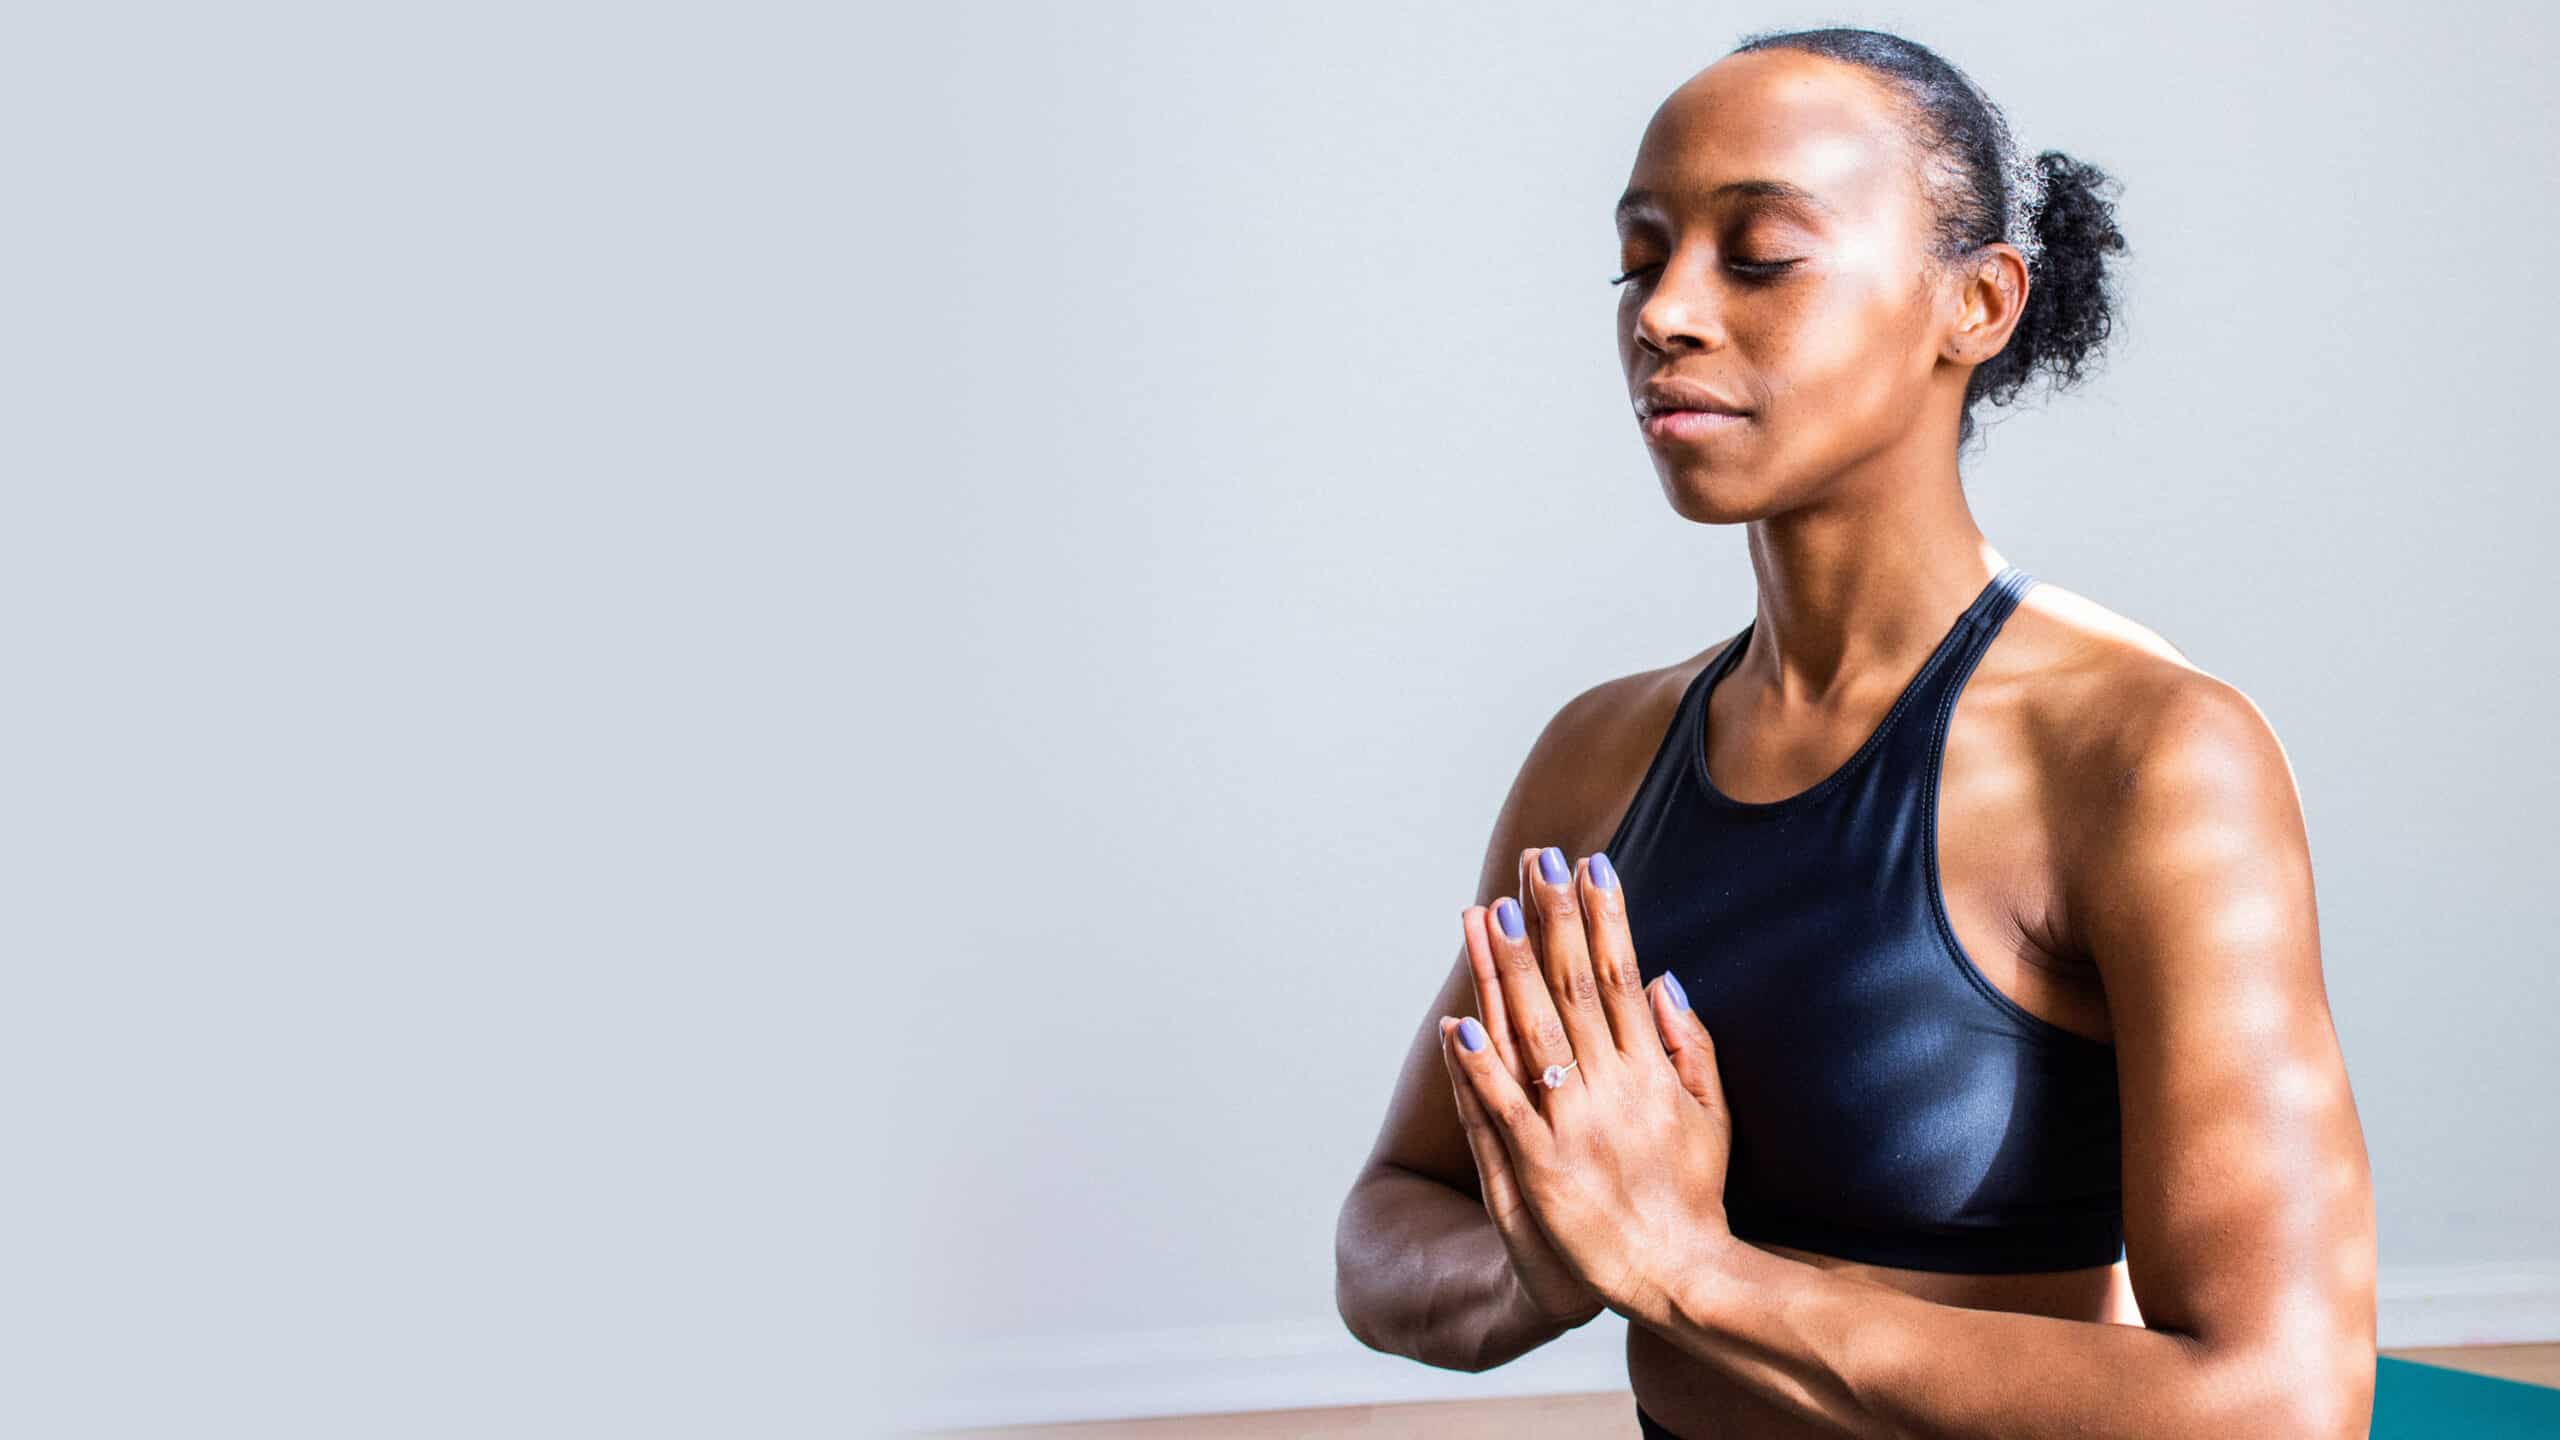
{"x":1613,"y":960}
{"x":1685,"y":1040}
{"x":1529,"y":1005}
{"x":1564,"y":950}
{"x":1501,"y":1104}
{"x":1501,"y":1189}
{"x":1476,"y":921}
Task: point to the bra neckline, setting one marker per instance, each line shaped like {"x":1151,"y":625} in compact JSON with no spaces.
{"x":1715,"y":673}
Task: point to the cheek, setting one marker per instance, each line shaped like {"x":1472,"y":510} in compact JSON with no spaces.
{"x":1838,"y":355}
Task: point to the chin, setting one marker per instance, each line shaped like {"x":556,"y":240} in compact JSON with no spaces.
{"x":1718,"y":497}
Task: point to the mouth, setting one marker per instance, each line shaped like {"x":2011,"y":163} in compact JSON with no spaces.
{"x":1690,"y":425}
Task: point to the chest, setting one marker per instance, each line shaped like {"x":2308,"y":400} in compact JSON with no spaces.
{"x":1894,"y":1100}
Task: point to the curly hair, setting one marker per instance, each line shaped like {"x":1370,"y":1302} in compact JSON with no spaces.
{"x":2059,"y":212}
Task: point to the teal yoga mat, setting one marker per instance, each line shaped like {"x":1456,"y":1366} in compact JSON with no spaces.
{"x":2429,"y":1402}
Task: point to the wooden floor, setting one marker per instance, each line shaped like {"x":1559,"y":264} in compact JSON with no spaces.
{"x":1605,"y":1413}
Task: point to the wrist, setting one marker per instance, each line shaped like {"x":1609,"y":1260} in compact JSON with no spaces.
{"x":1702,"y":1280}
{"x":1525,"y":1304}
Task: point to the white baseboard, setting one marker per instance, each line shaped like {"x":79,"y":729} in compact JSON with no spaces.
{"x":1214,"y":1369}
{"x":2513,"y":1303}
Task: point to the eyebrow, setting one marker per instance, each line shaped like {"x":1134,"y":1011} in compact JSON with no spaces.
{"x":1782,"y":192}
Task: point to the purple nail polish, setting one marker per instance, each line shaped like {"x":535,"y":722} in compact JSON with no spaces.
{"x":1507,"y":915}
{"x":1551,"y":865}
{"x":1671,"y":983}
{"x":1603,"y":871}
{"x":1470,"y":1034}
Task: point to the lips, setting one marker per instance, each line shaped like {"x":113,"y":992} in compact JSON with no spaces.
{"x":1672,"y":411}
{"x":1689,"y":425}
{"x":1659,"y":397}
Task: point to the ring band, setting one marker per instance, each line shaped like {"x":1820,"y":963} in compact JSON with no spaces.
{"x":1555,"y":1074}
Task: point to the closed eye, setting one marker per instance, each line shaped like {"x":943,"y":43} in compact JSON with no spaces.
{"x":1757,"y":272}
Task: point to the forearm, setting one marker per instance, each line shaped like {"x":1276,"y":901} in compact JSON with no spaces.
{"x":1873,"y":1360}
{"x":1420,"y":1271}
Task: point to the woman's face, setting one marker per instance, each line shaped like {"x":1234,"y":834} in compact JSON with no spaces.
{"x":1776,"y":236}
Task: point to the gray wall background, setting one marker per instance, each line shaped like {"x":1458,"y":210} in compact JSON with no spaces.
{"x":768,"y":719}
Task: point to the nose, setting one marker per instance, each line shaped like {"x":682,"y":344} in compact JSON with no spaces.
{"x":1680,"y":314}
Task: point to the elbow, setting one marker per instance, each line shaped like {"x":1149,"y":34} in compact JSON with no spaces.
{"x":1347,"y":1297}
{"x":1345,"y":1304}
{"x":2340,"y":1405}
{"x":2313,"y":1393}
{"x":2333,"y":1412}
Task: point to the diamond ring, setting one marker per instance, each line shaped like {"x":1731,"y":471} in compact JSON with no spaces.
{"x":1555,"y":1074}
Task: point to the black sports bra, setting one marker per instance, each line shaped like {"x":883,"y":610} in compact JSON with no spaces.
{"x":1890,"y":1105}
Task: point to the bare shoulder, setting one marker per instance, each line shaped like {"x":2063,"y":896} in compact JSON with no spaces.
{"x":1584,"y":768}
{"x":2140,"y":749}
{"x":2108,"y":693}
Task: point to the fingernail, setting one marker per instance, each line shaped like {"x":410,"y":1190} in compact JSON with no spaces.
{"x":1551,"y":865}
{"x":1470,"y":1034}
{"x":1603,"y":871}
{"x":1507,"y":915}
{"x":1671,"y":983}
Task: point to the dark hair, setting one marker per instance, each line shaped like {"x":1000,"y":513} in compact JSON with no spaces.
{"x":2058,"y":211}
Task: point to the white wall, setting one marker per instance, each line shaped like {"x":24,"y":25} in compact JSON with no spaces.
{"x":759,"y":719}
{"x":1308,"y":492}
{"x":432,"y":479}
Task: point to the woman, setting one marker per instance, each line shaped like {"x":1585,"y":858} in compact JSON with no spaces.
{"x":1946,"y":1050}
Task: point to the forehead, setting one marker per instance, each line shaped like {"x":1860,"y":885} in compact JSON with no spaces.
{"x":1807,"y":122}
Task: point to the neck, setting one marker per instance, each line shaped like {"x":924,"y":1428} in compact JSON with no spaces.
{"x":1862,"y":583}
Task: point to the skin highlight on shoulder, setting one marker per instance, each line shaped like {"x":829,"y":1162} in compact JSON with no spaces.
{"x":2106,"y":703}
{"x":2083,"y":674}
{"x":1585,"y":767}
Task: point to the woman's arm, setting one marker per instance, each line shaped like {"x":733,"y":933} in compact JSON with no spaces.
{"x":2249,"y":1222}
{"x":1420,"y":1268}
{"x":1419,"y":1271}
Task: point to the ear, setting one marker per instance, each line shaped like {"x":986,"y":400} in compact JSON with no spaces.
{"x":1990,"y":297}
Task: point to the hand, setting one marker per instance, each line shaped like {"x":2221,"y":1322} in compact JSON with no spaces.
{"x":1548,"y":1283}
{"x":1622,"y":1167}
